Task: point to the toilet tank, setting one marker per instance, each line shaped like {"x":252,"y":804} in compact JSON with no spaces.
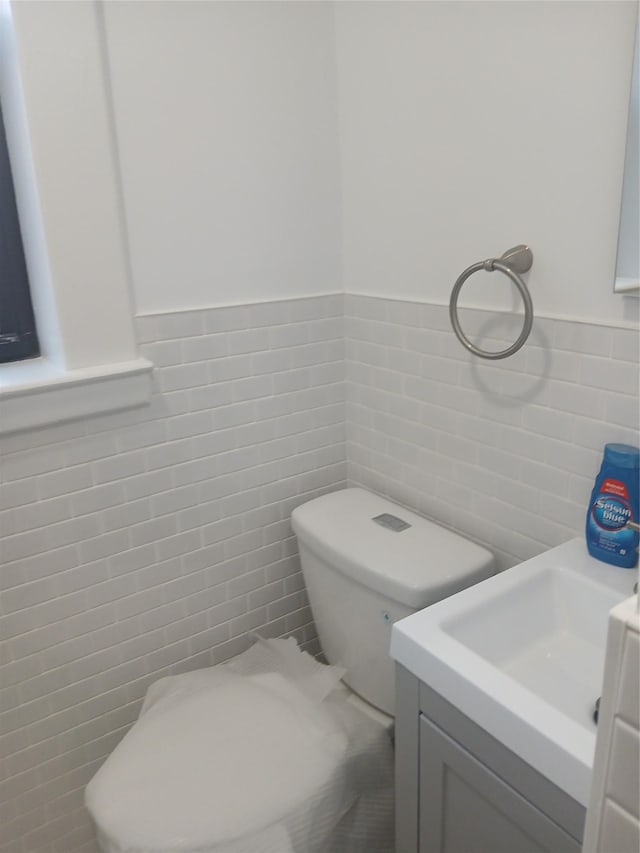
{"x":366,"y":563}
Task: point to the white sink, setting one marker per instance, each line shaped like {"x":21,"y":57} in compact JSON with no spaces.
{"x":522,"y":654}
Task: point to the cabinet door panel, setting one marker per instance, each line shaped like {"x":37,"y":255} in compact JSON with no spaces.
{"x":465,"y":808}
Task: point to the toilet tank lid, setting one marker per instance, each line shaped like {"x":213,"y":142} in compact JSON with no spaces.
{"x":414,"y":565}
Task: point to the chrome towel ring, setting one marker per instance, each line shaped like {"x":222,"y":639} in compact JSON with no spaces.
{"x":513,"y":263}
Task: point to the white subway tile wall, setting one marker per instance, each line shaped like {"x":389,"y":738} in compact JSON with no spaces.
{"x":149,"y":542}
{"x":504,"y":451}
{"x":144,"y":543}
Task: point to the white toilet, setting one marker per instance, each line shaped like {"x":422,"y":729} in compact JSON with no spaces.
{"x":263,"y":754}
{"x":368,"y":563}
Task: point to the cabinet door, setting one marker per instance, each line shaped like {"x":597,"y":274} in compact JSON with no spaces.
{"x":465,"y":808}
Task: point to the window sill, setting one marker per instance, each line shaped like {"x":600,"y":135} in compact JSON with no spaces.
{"x":627,"y":285}
{"x":35,"y":393}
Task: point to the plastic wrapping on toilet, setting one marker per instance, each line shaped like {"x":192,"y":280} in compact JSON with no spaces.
{"x":263,"y":754}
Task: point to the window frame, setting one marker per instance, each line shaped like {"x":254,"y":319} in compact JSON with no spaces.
{"x":627,"y":275}
{"x":54,"y":88}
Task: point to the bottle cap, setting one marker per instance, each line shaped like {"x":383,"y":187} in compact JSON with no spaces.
{"x":622,"y":455}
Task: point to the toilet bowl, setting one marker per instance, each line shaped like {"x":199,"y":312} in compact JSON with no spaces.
{"x":268,"y":753}
{"x":274,"y":752}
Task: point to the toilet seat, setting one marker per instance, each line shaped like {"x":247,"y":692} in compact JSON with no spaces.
{"x":226,"y":757}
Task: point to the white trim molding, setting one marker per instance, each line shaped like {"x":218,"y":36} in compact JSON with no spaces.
{"x":36,"y":393}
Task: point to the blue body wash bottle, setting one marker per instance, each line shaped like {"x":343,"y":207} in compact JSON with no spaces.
{"x":614,"y":502}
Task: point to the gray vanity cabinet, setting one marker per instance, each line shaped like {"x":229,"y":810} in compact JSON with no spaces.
{"x":466,"y":807}
{"x":458,"y":790}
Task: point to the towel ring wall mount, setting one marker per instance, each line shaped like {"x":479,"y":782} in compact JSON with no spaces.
{"x":512,"y":263}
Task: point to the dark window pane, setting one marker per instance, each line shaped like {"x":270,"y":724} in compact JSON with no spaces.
{"x":18,"y":337}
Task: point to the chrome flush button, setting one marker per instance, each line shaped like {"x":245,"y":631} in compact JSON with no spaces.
{"x":391,"y":522}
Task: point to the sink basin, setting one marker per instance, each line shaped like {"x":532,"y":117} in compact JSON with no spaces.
{"x":522,"y":654}
{"x":557,"y":648}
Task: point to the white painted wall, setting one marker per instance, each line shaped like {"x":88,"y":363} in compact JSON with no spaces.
{"x":442,"y":133}
{"x":469,"y":127}
{"x":226,"y":118}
